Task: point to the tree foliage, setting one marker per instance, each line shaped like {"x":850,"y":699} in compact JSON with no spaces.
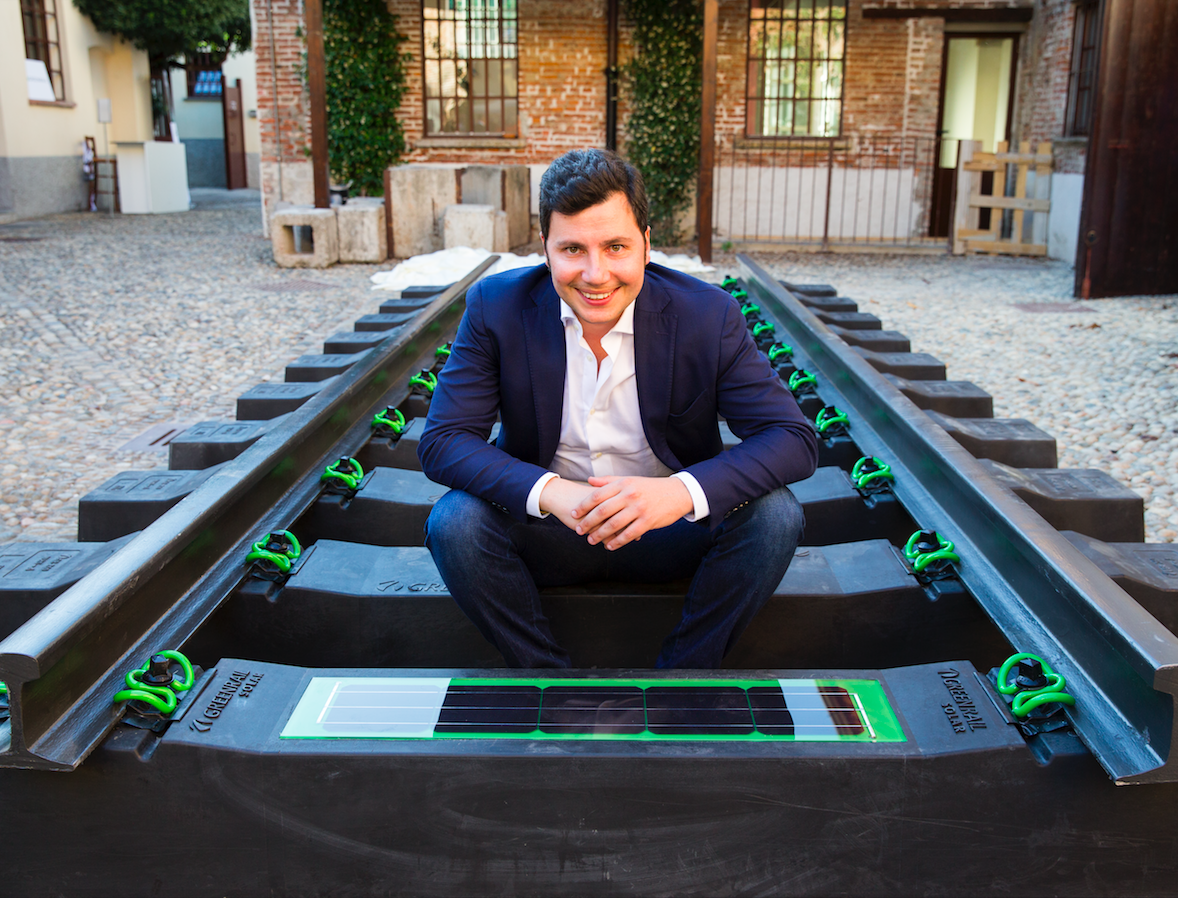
{"x":365,"y":83}
{"x":663,"y":80}
{"x":167,"y":29}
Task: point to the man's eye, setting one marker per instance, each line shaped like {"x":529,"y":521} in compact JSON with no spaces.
{"x":618,"y":247}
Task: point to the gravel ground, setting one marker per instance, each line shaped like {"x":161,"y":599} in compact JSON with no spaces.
{"x":109,"y":325}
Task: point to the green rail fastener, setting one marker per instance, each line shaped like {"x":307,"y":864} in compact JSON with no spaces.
{"x":777,"y":350}
{"x":346,"y":472}
{"x":740,"y":295}
{"x":1025,"y":699}
{"x":919,"y":551}
{"x":830,"y":417}
{"x":160,"y":695}
{"x":390,"y":419}
{"x":870,"y":470}
{"x":3,"y":688}
{"x":443,"y":351}
{"x":801,"y":380}
{"x":729,"y":282}
{"x":749,"y":308}
{"x":427,"y":380}
{"x":763,"y":327}
{"x":279,"y":549}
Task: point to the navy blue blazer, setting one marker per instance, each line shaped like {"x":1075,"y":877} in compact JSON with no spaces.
{"x":694,"y":360}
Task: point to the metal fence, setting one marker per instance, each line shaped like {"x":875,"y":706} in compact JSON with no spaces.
{"x":873,"y":190}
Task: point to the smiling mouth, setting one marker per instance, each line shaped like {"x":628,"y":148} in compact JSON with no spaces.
{"x":597,"y":297}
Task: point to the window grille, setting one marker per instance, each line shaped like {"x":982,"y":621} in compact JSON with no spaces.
{"x":471,"y":67}
{"x":39,"y":18}
{"x":1082,"y":77}
{"x":203,"y":73}
{"x":796,"y":52}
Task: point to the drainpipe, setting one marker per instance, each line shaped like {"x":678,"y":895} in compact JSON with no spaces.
{"x":611,"y":77}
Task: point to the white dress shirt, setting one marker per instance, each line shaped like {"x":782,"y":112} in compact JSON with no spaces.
{"x":601,"y":423}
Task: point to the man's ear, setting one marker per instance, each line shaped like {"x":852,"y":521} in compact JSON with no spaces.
{"x":646,"y":241}
{"x":544,"y":251}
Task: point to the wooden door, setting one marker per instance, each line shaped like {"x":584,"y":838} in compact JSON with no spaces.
{"x":1129,"y":218}
{"x":234,"y":136}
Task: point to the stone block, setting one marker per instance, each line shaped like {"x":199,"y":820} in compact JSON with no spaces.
{"x":506,"y":187}
{"x":476,"y":226}
{"x":417,"y":195}
{"x":362,"y":236}
{"x":304,"y":237}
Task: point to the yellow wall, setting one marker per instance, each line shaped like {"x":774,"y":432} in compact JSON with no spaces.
{"x":93,"y":65}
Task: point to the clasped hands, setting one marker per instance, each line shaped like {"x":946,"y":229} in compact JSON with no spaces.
{"x":616,"y":510}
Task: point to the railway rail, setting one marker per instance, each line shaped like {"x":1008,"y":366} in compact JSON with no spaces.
{"x":344,"y":727}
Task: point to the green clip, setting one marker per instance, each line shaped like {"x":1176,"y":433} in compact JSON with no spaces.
{"x":346,"y":471}
{"x":763,"y":327}
{"x":861,"y":476}
{"x":779,"y":349}
{"x":749,"y":308}
{"x":801,"y":378}
{"x":740,"y":295}
{"x":729,"y":282}
{"x":162,"y":698}
{"x":3,"y":688}
{"x":1027,"y":700}
{"x":396,"y":423}
{"x":426,"y":379}
{"x":823,"y":421}
{"x":443,"y":351}
{"x":921,"y":560}
{"x":271,"y":549}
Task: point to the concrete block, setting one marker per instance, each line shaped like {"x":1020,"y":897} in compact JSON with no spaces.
{"x":477,"y":226}
{"x":362,"y":236}
{"x":417,"y":195}
{"x":506,"y":187}
{"x":315,"y":243}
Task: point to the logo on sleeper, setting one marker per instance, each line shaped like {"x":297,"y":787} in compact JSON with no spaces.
{"x":405,"y":586}
{"x":240,"y":683}
{"x":962,"y":713}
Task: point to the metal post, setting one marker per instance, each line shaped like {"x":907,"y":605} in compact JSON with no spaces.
{"x":707,"y":132}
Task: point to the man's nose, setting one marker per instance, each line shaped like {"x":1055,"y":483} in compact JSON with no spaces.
{"x":596,"y":271}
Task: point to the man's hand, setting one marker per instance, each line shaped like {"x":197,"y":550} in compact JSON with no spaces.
{"x":621,"y":509}
{"x":559,"y":497}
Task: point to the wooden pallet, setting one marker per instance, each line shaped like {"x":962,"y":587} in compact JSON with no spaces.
{"x":968,"y":237}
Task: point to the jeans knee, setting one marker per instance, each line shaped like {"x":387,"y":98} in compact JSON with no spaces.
{"x":456,"y":519}
{"x":778,"y":516}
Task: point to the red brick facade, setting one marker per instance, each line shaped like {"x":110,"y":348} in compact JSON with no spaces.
{"x":892,"y":83}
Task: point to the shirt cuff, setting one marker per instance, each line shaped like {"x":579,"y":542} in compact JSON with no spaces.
{"x":533,"y":505}
{"x":698,"y":499}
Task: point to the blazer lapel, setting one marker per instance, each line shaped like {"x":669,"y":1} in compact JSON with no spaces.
{"x":544,"y":339}
{"x":654,"y":367}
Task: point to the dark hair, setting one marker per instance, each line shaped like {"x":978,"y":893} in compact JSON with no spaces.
{"x":583,"y":178}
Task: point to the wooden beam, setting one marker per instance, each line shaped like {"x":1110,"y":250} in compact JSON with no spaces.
{"x":316,"y":83}
{"x":707,"y":132}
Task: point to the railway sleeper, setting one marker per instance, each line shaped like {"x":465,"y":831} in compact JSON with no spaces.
{"x":956,"y":398}
{"x":1147,"y":571}
{"x":850,"y":321}
{"x":212,"y":442}
{"x":875,"y":340}
{"x":131,"y":500}
{"x":910,"y":365}
{"x":852,"y":602}
{"x":321,"y":367}
{"x":383,"y":321}
{"x":269,"y":400}
{"x":1013,"y":441}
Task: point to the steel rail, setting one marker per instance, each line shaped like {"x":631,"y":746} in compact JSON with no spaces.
{"x":1121,"y":664}
{"x":64,"y":665}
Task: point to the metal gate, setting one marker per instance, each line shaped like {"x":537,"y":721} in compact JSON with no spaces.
{"x":863,"y":191}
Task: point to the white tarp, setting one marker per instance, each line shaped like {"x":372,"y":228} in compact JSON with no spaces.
{"x":447,"y":265}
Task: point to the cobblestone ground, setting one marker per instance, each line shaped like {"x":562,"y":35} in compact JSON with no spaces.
{"x":109,"y":325}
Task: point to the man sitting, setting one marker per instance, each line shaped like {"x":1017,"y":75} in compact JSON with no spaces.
{"x":609,"y":374}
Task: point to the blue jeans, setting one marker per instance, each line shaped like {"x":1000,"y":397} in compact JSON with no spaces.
{"x":493,"y":565}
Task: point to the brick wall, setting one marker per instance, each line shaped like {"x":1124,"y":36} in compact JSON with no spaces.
{"x":893,"y":75}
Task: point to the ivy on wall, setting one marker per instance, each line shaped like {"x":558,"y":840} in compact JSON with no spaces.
{"x":365,"y":83}
{"x":663,"y":81}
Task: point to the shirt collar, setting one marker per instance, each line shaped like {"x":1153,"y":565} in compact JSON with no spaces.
{"x":625,"y":324}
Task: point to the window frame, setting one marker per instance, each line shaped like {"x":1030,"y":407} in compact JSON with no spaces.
{"x":756,"y":97}
{"x":466,"y":107}
{"x":1082,"y":70}
{"x":48,"y":42}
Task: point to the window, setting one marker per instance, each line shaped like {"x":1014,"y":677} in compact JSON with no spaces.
{"x":795,"y":68}
{"x":471,"y":67}
{"x":1082,"y":78}
{"x":203,"y":73}
{"x":41,"y":39}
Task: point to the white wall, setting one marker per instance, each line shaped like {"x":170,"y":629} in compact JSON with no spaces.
{"x":1063,"y":223}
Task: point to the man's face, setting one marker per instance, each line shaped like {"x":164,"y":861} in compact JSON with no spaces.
{"x":597,"y":258}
